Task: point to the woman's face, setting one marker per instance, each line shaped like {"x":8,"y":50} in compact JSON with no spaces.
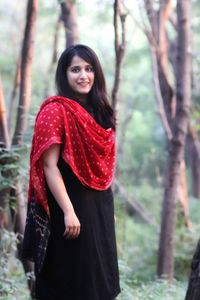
{"x":80,"y":76}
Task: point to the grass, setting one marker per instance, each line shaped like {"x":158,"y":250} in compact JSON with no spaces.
{"x":155,"y":290}
{"x":137,"y":251}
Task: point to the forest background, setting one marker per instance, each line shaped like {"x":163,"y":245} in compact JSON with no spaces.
{"x":143,"y":140}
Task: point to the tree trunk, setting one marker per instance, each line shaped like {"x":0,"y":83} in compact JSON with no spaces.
{"x":55,"y":43}
{"x":163,"y":61}
{"x":4,"y":148}
{"x":183,"y":195}
{"x":193,"y":154}
{"x":183,"y":82}
{"x":13,"y":97}
{"x":54,"y":57}
{"x":164,"y":90}
{"x":195,"y":172}
{"x":26,"y":69}
{"x":69,"y":17}
{"x":24,"y":104}
{"x":119,"y":48}
{"x":25,"y":97}
{"x":4,"y":134}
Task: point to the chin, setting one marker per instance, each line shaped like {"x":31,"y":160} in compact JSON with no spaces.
{"x":85,"y":92}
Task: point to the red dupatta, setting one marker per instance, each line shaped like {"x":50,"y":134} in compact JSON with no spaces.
{"x":87,"y":148}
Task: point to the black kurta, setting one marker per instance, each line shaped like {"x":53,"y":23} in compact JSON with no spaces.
{"x":84,"y":268}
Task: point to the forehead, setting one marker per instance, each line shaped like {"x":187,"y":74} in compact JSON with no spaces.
{"x":78,"y":61}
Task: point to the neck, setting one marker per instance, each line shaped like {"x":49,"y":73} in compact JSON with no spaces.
{"x":82,"y":99}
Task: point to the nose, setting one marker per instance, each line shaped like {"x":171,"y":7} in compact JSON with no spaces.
{"x":83,"y":74}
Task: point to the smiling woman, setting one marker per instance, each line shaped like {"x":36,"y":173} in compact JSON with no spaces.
{"x":70,"y":231}
{"x":80,"y":76}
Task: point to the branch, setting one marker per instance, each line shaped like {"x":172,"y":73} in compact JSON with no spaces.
{"x":134,"y":206}
{"x":159,"y":55}
{"x":165,"y":12}
{"x":159,"y":98}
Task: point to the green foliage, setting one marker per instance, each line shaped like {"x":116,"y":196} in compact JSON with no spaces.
{"x":12,"y":166}
{"x":9,"y":167}
{"x":12,"y":279}
{"x":143,"y":154}
{"x":138,"y":244}
{"x":155,"y":290}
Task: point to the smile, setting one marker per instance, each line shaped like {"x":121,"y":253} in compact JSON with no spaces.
{"x":83,"y":82}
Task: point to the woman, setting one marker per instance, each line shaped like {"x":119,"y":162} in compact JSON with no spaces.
{"x":70,"y":225}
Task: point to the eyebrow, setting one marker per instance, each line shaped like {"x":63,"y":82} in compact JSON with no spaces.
{"x":79,"y":65}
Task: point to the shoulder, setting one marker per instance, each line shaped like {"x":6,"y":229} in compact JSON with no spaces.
{"x":50,"y":111}
{"x":51,"y":102}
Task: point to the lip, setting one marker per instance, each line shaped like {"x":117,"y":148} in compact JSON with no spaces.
{"x":83,"y":84}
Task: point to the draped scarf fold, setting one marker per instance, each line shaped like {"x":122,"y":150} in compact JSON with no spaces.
{"x":86,"y":147}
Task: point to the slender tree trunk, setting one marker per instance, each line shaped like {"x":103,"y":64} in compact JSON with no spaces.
{"x":183,"y":82}
{"x":164,"y":90}
{"x":195,"y":172}
{"x":23,"y":107}
{"x":54,"y":57}
{"x":159,"y":51}
{"x":26,"y":69}
{"x":4,"y":147}
{"x":25,"y":95}
{"x":13,"y":96}
{"x":119,"y":48}
{"x":4,"y":134}
{"x":193,"y":149}
{"x":183,"y":195}
{"x":69,"y":17}
{"x":55,"y":43}
{"x":163,"y":61}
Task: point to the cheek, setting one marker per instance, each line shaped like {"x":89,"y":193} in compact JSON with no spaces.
{"x":70,"y":79}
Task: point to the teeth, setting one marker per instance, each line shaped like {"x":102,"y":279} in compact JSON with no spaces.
{"x":83,"y":83}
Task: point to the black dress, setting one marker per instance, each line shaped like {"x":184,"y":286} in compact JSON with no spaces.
{"x":85,"y":268}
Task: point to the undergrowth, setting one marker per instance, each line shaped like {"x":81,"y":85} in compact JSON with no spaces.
{"x":137,"y":245}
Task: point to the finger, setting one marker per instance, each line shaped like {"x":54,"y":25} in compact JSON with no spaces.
{"x":76,"y":232}
{"x":66,"y":232}
{"x":71,"y":232}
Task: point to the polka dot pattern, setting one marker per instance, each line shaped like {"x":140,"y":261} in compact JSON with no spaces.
{"x":87,"y":147}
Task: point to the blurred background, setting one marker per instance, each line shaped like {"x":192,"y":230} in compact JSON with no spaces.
{"x":150,"y":54}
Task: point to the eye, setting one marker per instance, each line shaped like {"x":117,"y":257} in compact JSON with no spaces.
{"x":75,"y":69}
{"x":89,"y":69}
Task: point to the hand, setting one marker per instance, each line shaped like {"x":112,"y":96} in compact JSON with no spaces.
{"x":72,"y":225}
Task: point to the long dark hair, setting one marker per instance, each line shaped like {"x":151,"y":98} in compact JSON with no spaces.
{"x":97,"y":98}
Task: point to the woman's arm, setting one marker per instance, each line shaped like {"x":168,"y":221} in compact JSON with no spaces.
{"x":55,"y":182}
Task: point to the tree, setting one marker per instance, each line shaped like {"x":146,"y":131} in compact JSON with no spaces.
{"x":181,"y":121}
{"x":69,"y":18}
{"x":4,"y":134}
{"x":26,"y":68}
{"x":23,"y":107}
{"x":119,"y":47}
